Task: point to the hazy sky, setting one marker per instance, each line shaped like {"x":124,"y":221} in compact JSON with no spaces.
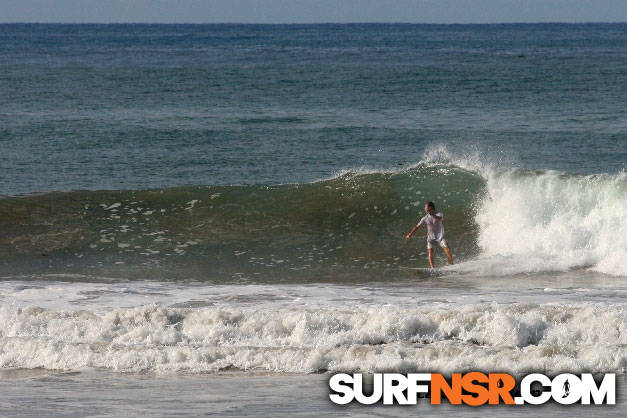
{"x":309,"y":11}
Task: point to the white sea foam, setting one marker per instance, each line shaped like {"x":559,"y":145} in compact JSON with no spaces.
{"x":551,"y":221}
{"x":516,"y":337}
{"x":533,"y":221}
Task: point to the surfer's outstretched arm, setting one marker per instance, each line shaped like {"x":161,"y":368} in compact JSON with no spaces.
{"x":412,"y":231}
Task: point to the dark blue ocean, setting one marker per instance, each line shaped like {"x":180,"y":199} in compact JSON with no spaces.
{"x":145,"y":106}
{"x":213,"y":218}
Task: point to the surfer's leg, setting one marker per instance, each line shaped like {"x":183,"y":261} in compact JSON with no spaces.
{"x":431,"y":258}
{"x":447,"y":250}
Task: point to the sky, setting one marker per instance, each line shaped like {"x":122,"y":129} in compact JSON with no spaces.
{"x":312,"y":11}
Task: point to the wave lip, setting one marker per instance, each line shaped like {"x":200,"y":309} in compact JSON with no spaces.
{"x":515,"y":338}
{"x":552,"y":221}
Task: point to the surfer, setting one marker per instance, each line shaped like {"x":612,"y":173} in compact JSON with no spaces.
{"x":435,"y":232}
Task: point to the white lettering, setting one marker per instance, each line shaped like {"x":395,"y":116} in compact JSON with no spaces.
{"x":338,"y":383}
{"x":377,"y":389}
{"x":413,"y":388}
{"x":566,"y":389}
{"x":525,"y":390}
{"x":606,"y":388}
{"x":392,"y":390}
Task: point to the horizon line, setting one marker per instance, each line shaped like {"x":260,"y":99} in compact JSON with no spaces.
{"x":319,"y":23}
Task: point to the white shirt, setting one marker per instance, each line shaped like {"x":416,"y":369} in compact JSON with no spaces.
{"x":435,"y":228}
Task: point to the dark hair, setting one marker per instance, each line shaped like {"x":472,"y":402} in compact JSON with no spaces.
{"x":431,"y":205}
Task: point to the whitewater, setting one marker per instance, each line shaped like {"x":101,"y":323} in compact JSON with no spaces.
{"x":538,"y":284}
{"x":310,"y":329}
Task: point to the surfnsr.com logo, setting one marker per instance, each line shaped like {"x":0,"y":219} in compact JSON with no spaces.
{"x":474,"y":388}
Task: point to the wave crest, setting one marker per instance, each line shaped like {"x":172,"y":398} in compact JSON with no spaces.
{"x":539,"y":221}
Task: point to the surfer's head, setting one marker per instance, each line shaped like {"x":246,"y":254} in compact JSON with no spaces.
{"x":430,"y":206}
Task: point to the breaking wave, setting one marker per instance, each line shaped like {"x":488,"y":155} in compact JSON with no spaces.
{"x":498,"y":221}
{"x":515,"y":337}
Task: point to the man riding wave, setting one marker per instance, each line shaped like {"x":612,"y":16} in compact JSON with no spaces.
{"x":435,"y":232}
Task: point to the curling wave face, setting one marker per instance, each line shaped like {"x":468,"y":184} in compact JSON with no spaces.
{"x":498,"y":221}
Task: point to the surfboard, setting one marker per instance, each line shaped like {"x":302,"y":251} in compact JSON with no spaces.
{"x":428,"y":269}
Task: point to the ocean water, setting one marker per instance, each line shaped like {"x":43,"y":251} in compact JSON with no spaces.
{"x":227,"y":205}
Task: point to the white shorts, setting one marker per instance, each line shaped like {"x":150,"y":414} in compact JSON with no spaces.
{"x":441,"y":242}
